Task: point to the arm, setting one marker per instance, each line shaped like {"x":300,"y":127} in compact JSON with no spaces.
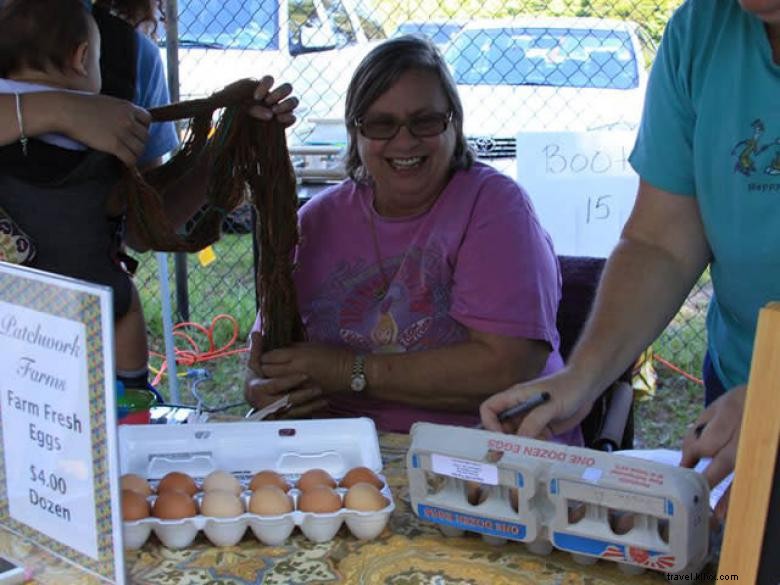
{"x":185,"y":197}
{"x":662,"y":251}
{"x":469,"y":371}
{"x":101,"y":122}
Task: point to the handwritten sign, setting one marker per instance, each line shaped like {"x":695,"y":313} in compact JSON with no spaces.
{"x":58,"y":418}
{"x":581,"y":185}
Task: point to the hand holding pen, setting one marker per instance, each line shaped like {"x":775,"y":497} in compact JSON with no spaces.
{"x":539,"y":409}
{"x":521,"y":407}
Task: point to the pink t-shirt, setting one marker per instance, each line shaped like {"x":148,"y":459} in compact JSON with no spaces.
{"x":478,"y":258}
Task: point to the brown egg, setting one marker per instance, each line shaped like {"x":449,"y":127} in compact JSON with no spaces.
{"x":361,"y":475}
{"x":315,"y":477}
{"x":365,"y":498}
{"x":576,"y":511}
{"x":177,"y":481}
{"x":173,"y":505}
{"x":514,"y":499}
{"x":221,"y":504}
{"x":222,"y":481}
{"x":131,"y":481}
{"x":269,"y":500}
{"x":134,"y":506}
{"x":319,"y":499}
{"x":475,"y":492}
{"x":267,"y":477}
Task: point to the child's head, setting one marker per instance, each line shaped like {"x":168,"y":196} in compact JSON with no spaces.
{"x":54,"y":42}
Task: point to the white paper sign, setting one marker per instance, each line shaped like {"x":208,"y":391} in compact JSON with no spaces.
{"x":58,"y":418}
{"x":581,"y":185}
{"x":464,"y":469}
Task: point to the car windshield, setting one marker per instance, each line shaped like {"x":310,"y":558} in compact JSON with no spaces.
{"x":557,"y":57}
{"x":230,"y":24}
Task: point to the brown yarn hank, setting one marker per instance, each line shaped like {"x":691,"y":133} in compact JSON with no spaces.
{"x":248,"y":161}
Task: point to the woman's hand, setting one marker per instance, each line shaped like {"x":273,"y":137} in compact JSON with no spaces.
{"x":105,"y":123}
{"x":260,"y":390}
{"x":276,"y":102}
{"x":568,"y":405}
{"x":715,"y":434}
{"x":327,"y":366}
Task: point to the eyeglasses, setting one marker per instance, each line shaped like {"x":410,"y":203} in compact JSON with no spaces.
{"x":386,"y":127}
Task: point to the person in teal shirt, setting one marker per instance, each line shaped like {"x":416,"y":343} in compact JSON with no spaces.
{"x":708,"y":156}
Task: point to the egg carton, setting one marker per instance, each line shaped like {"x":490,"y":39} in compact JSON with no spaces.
{"x":270,"y":530}
{"x":595,"y":505}
{"x":242,"y":449}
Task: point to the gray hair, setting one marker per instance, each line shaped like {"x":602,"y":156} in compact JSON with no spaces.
{"x":379,"y":71}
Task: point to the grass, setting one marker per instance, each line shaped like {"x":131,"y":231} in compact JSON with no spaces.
{"x":663,"y":421}
{"x":226,"y":286}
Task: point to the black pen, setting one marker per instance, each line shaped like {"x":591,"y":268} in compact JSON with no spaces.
{"x":523,"y":407}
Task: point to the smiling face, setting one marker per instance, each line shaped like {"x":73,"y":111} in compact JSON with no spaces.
{"x":409,"y":173}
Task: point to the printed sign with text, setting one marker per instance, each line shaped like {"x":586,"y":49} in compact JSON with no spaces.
{"x":58,"y":451}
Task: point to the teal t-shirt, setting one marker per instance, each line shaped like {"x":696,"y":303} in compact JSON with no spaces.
{"x":711,"y":130}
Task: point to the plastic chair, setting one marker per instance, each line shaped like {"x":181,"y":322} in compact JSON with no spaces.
{"x":610,"y":424}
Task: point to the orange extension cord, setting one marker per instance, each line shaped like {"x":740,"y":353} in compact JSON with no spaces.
{"x":190,"y":357}
{"x":677,"y":370}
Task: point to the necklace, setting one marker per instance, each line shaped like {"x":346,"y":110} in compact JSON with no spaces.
{"x":382,"y":291}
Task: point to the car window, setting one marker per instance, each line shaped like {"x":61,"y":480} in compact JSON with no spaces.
{"x":231,"y":24}
{"x":557,"y":57}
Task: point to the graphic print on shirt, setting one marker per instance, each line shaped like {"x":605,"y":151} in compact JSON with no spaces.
{"x":750,"y":153}
{"x":413,"y":314}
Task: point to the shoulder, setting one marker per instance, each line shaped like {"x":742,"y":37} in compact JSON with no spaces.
{"x":333,"y":201}
{"x":697,"y":21}
{"x":489,"y":187}
{"x":146,"y":50}
{"x":149,"y":64}
{"x":481,"y":176}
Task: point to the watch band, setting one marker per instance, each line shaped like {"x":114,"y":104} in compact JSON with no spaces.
{"x":358,"y":382}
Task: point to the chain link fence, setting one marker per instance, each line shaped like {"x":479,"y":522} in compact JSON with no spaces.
{"x":519,"y":64}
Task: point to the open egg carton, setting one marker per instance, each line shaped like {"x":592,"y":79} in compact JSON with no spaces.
{"x":595,"y":505}
{"x":243,"y":449}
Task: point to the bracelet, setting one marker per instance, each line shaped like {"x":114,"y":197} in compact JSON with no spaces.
{"x":22,"y":137}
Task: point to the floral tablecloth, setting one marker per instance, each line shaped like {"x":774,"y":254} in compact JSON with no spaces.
{"x":408,"y":552}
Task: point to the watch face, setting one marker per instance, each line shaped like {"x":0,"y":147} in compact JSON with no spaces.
{"x":358,"y":383}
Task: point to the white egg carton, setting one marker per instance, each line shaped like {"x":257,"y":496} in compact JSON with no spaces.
{"x":566,"y":498}
{"x":243,"y":448}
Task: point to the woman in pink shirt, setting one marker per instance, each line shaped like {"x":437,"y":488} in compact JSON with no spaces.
{"x":425,"y":281}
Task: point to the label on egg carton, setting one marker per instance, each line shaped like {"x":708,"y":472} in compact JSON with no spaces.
{"x":270,"y":530}
{"x":590,"y":503}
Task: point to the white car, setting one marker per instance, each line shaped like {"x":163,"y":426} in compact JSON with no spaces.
{"x":539,"y":73}
{"x":313,"y":44}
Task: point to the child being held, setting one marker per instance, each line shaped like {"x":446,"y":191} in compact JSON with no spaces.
{"x":53,"y":188}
